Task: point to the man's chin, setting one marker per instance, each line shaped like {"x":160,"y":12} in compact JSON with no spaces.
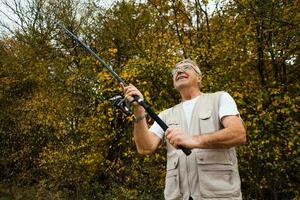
{"x":181,"y":86}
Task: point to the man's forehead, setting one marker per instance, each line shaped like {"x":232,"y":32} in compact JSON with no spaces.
{"x":184,"y":64}
{"x":188,"y":63}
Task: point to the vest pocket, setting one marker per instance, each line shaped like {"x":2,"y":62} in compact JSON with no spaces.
{"x":217,"y":177}
{"x":172,"y":190}
{"x":173,"y":124}
{"x":206,"y":122}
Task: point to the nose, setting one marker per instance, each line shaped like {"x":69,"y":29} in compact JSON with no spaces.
{"x":180,"y":70}
{"x":177,"y":73}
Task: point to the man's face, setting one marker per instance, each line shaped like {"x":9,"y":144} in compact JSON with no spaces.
{"x":185,"y":76}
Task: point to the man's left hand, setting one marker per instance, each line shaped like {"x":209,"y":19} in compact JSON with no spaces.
{"x":177,"y":137}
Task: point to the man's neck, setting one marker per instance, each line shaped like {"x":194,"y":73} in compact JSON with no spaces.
{"x":189,"y":93}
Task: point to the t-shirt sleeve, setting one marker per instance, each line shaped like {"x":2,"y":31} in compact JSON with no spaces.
{"x":156,"y":129}
{"x":227,"y":106}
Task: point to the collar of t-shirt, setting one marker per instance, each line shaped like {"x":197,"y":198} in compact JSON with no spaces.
{"x":188,"y":107}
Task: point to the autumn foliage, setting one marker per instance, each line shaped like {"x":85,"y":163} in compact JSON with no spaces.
{"x":60,"y":136}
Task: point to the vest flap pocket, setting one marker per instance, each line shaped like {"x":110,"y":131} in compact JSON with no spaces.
{"x":172,"y":189}
{"x":172,"y":162}
{"x":217,"y":175}
{"x":173,"y":123}
{"x":213,"y":157}
{"x":204,"y":114}
{"x":206,"y":122}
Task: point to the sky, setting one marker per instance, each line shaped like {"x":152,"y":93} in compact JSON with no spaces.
{"x":5,"y":13}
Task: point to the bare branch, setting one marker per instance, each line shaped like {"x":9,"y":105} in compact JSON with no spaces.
{"x":10,"y":18}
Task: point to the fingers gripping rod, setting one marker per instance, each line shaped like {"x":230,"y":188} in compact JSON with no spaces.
{"x":140,"y":101}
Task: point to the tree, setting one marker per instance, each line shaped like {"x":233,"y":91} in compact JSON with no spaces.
{"x":60,"y":135}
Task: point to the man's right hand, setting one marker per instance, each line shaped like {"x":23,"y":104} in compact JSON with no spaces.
{"x":129,"y":92}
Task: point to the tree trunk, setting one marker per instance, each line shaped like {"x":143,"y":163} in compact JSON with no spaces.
{"x":260,"y":52}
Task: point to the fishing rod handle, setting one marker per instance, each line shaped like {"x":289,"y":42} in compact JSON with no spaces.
{"x":161,"y":123}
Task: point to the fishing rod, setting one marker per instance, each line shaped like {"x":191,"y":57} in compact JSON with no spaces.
{"x":119,"y":100}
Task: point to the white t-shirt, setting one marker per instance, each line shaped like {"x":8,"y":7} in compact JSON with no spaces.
{"x":227,"y":107}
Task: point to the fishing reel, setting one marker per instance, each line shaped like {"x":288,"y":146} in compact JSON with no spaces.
{"x":120,"y":102}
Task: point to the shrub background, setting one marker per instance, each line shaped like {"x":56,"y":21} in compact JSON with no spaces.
{"x":61,"y":138}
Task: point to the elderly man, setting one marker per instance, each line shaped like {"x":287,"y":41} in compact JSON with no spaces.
{"x":207,"y":123}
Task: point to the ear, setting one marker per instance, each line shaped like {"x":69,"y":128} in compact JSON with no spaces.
{"x":200,"y":77}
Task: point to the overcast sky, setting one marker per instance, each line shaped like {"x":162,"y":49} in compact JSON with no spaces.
{"x":5,"y":14}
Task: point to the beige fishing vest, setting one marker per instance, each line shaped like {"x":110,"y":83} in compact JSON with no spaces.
{"x":206,"y":174}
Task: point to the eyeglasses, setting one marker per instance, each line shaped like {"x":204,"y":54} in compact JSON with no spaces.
{"x":182,"y":68}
